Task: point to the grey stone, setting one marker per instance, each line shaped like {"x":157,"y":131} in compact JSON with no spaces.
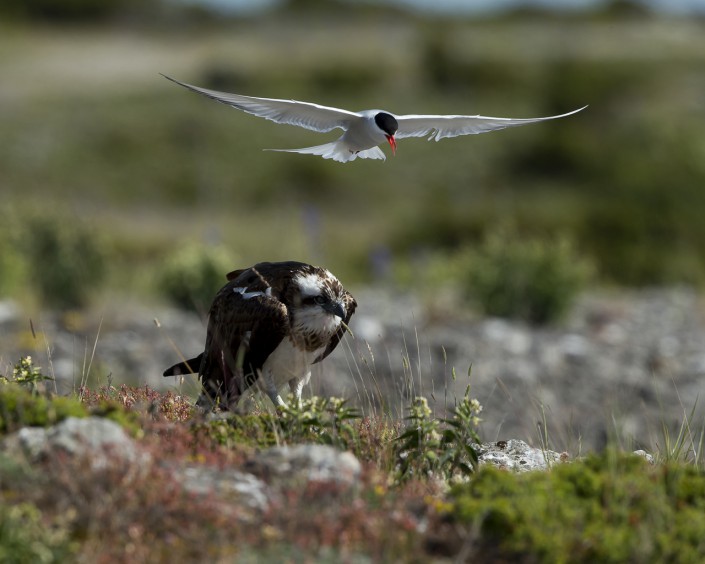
{"x":79,"y":436}
{"x":517,"y":456}
{"x":31,"y":441}
{"x":308,"y":463}
{"x":9,"y":312}
{"x":99,"y":439}
{"x":203,"y":480}
{"x":645,"y":455}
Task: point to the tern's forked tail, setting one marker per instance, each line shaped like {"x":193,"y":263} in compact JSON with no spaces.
{"x":336,"y":151}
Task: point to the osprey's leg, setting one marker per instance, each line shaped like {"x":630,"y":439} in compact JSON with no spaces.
{"x":296,"y":387}
{"x":270,"y":388}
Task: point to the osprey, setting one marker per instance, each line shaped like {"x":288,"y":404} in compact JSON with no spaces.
{"x":266,"y":327}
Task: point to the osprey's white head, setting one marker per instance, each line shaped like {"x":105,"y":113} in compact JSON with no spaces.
{"x":319,"y":303}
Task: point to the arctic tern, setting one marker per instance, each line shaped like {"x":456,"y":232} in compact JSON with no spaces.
{"x":364,"y":130}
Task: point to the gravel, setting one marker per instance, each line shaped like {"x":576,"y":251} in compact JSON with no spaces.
{"x":620,"y":367}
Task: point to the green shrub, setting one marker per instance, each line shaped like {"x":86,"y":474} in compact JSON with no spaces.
{"x":66,"y":261}
{"x":316,"y":420}
{"x":69,"y":10}
{"x":28,"y":376}
{"x":440,"y":448}
{"x":608,"y":508}
{"x":19,"y":408}
{"x":531,"y":279}
{"x":320,"y":420}
{"x":192,"y":275}
{"x":11,"y":264}
{"x":24,"y":401}
{"x":26,"y":537}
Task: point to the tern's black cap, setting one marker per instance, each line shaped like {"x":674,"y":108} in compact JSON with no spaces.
{"x":387,"y":123}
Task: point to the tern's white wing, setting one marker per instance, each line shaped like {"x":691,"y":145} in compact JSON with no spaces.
{"x":291,"y":112}
{"x":438,"y":127}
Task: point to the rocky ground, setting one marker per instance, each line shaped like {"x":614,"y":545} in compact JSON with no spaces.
{"x":621,"y":365}
{"x":103,"y":443}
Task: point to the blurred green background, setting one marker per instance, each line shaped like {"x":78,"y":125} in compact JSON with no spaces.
{"x":129,"y":168}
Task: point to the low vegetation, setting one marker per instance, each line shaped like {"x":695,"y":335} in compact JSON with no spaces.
{"x":421,"y":495}
{"x":610,"y":507}
{"x":506,"y":275}
{"x":191,"y":275}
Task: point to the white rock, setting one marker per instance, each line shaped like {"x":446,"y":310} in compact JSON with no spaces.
{"x":645,"y":455}
{"x":516,"y":455}
{"x":203,"y":480}
{"x":100,"y":440}
{"x":308,"y":462}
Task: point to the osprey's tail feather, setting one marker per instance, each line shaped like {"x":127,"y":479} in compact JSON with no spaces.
{"x":191,"y":366}
{"x":336,"y":151}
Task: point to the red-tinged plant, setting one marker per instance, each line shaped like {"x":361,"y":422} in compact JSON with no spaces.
{"x":168,"y":405}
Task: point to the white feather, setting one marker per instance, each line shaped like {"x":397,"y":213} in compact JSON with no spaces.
{"x":309,"y":284}
{"x":439,"y":127}
{"x":291,"y":112}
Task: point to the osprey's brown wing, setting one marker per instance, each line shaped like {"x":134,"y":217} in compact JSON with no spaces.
{"x":255,"y":278}
{"x":246,"y":324}
{"x":278,"y":275}
{"x":350,"y":305}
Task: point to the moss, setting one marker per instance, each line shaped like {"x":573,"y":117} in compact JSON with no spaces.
{"x":20,"y":408}
{"x":25,"y":536}
{"x":246,"y":430}
{"x":128,"y":420}
{"x":607,"y":508}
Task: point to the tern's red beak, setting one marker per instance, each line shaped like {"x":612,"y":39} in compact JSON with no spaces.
{"x":392,"y":143}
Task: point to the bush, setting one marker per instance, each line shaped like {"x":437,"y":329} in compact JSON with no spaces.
{"x":607,"y":508}
{"x":65,"y":260}
{"x":25,"y":401}
{"x":19,"y":408}
{"x":11,"y":263}
{"x":531,"y":279}
{"x":28,"y":376}
{"x":68,"y":10}
{"x":431,"y":447}
{"x":193,"y":274}
{"x":327,"y":421}
{"x":26,"y":537}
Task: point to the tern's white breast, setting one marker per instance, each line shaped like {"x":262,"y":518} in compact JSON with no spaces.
{"x":363,"y":134}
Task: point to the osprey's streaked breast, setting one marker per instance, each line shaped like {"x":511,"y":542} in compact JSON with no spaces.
{"x":267,"y":326}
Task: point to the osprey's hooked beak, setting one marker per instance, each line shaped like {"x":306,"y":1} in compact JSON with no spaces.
{"x":392,"y":143}
{"x":336,"y":308}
